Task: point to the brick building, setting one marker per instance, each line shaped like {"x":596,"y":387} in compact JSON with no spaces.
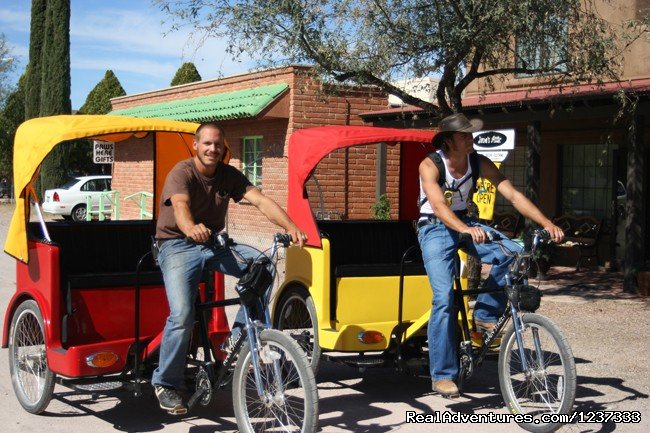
{"x":258,"y":112}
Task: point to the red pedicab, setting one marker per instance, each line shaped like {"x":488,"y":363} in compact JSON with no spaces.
{"x":89,"y":306}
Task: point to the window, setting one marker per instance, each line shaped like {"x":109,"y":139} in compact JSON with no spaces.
{"x":586,"y":179}
{"x":97,"y":185}
{"x":252,"y":159}
{"x":92,"y":185}
{"x":514,"y":168}
{"x":543,"y":47}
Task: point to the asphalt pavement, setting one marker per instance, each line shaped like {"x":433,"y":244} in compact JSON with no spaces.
{"x":375,"y":400}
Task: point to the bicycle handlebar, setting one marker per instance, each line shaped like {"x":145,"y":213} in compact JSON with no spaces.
{"x":223,"y":240}
{"x":493,"y":236}
{"x":283,"y":239}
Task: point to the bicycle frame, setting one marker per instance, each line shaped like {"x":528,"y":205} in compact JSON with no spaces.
{"x":253,"y":327}
{"x":511,"y":311}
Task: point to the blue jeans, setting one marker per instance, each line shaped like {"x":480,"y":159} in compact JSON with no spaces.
{"x":439,"y":246}
{"x":182,"y":263}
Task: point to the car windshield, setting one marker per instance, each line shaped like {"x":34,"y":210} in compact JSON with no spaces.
{"x":69,"y":184}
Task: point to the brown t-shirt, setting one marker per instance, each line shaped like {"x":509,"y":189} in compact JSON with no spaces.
{"x":208,"y":196}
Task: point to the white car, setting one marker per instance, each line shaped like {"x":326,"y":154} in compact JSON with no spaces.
{"x":69,"y":200}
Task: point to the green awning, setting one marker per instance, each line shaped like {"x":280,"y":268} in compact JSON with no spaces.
{"x":219,"y":106}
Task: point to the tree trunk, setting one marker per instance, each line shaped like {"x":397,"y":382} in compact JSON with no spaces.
{"x":634,"y":235}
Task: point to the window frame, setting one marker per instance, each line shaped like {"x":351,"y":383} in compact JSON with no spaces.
{"x":256,"y":178}
{"x":586,"y":180}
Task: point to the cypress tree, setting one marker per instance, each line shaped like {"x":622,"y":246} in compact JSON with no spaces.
{"x":55,"y":85}
{"x":33,"y":78}
{"x":187,"y":73}
{"x":55,"y":81}
{"x":98,"y":100}
{"x":12,"y":115}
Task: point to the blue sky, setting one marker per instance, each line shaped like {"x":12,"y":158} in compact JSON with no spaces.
{"x":126,"y":36}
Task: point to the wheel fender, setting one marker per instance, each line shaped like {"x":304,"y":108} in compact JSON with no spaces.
{"x":17,"y":299}
{"x":283,"y":288}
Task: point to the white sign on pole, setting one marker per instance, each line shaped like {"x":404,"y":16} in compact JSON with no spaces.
{"x":103,"y":152}
{"x":494,"y":144}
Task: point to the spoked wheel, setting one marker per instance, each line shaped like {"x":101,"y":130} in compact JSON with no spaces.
{"x":296,"y":316}
{"x":289,"y":401}
{"x":31,"y":378}
{"x":548,"y":384}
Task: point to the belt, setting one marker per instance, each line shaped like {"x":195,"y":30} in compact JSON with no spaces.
{"x":432,"y":219}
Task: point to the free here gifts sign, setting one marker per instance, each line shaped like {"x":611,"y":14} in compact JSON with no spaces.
{"x":103,"y":152}
{"x":495,"y":145}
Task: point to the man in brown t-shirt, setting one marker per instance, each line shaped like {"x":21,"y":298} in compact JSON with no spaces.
{"x":194,"y":203}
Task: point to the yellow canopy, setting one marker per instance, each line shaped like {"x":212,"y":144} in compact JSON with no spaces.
{"x":36,"y":138}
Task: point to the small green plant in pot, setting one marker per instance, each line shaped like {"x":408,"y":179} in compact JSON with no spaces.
{"x":381,"y":209}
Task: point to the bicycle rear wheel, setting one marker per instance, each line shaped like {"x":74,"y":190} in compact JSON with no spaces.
{"x":290,"y":400}
{"x":548,"y":384}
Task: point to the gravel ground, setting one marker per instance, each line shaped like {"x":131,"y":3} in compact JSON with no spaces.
{"x":606,"y":336}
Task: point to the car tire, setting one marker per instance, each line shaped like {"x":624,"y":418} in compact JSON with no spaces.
{"x":79,"y":213}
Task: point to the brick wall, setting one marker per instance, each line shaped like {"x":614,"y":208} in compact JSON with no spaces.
{"x":132,"y":172}
{"x":344,"y":183}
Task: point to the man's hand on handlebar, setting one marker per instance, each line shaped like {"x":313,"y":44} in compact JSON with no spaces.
{"x":556,"y":233}
{"x":199,"y":233}
{"x":297,"y":236}
{"x":477,"y":233}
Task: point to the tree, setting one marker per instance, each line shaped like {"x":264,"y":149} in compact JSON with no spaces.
{"x":12,"y":115}
{"x":98,"y":100}
{"x":55,"y":84}
{"x":55,"y":72}
{"x":6,"y":66}
{"x":375,"y":42}
{"x":187,"y":73}
{"x":34,"y":76}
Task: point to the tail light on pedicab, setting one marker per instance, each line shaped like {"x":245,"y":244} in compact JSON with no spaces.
{"x":102,"y":359}
{"x":370,"y":337}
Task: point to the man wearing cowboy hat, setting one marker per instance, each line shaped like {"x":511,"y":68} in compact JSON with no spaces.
{"x":443,"y":216}
{"x":193,"y":206}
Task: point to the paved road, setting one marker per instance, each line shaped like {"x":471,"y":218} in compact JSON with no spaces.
{"x":374,"y":401}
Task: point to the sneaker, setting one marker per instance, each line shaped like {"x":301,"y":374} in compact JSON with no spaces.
{"x":170,"y":400}
{"x":446,"y":388}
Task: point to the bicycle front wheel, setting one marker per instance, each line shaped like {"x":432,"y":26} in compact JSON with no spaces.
{"x":289,"y":401}
{"x":547,"y":385}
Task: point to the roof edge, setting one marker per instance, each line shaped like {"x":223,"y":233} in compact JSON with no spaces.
{"x":537,"y":95}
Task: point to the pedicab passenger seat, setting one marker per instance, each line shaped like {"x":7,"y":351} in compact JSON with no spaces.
{"x":104,"y":254}
{"x":371,"y":248}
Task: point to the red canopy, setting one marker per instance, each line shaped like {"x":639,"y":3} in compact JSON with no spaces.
{"x":308,"y":146}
